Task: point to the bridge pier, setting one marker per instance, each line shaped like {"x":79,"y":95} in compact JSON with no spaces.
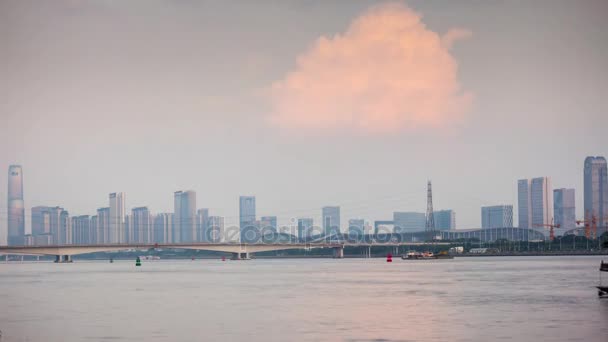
{"x":60,"y":259}
{"x":240,"y":256}
{"x":339,"y":252}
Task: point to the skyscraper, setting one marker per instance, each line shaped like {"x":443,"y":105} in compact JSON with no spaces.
{"x":103,"y":225}
{"x":305,"y":228}
{"x":564,"y":208}
{"x":15,"y":207}
{"x":163,"y":228}
{"x":117,"y":218}
{"x":202,"y":225}
{"x":41,"y":221}
{"x":596,"y":192}
{"x":184,"y":217}
{"x":445,"y":219}
{"x":497,"y":216}
{"x":331,"y":220}
{"x":81,"y":230}
{"x":141,"y":225}
{"x":409,"y":222}
{"x":268,"y":224}
{"x":216,"y":229}
{"x":524,"y":203}
{"x":535,"y":202}
{"x":247,"y":224}
{"x":356,"y":227}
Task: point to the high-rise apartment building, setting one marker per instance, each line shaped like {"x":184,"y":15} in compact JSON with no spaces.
{"x":305,"y":228}
{"x":163,"y":228}
{"x":331,"y":220}
{"x":202,"y":225}
{"x":117,"y":232}
{"x":184,"y":216}
{"x":216,"y":229}
{"x":103,"y":225}
{"x":141,"y":225}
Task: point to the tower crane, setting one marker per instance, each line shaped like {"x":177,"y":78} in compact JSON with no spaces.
{"x":550,"y":227}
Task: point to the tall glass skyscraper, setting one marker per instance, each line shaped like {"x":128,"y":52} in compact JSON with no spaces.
{"x":596,"y":191}
{"x":247,"y":224}
{"x":331,"y":220}
{"x":15,"y":207}
{"x":535,"y":202}
{"x":117,"y":233}
{"x":184,"y":218}
{"x":564,"y":209}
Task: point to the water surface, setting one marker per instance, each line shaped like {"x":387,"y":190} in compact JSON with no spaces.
{"x":465,"y":299}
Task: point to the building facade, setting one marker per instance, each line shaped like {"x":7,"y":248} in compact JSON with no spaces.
{"x":103,"y":225}
{"x":141,"y":225}
{"x":216,"y":229}
{"x":202,"y":225}
{"x":356,"y":227}
{"x":497,"y":216}
{"x":535,"y":202}
{"x":408,"y":222}
{"x":249,"y":231}
{"x":184,"y":217}
{"x":305,"y":228}
{"x":15,"y":207}
{"x":444,"y":219}
{"x":163,"y":228}
{"x":596,"y":192}
{"x":564,"y":208}
{"x":117,"y":232}
{"x":331,"y":220}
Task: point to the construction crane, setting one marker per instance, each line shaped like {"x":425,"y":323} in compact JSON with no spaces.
{"x":551,"y":228}
{"x":591,"y":228}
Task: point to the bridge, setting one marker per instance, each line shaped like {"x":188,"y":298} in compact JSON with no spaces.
{"x":64,"y":253}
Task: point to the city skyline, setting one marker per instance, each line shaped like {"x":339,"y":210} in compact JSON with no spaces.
{"x":53,"y":224}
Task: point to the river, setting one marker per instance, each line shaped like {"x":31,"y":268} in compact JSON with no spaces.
{"x":465,"y":299}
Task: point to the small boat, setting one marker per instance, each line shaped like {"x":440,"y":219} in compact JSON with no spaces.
{"x":602,"y":290}
{"x":426,"y":256}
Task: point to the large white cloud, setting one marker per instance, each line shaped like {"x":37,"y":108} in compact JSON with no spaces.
{"x":387,"y":73}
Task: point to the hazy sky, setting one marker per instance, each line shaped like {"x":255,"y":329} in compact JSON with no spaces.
{"x":302,"y":104}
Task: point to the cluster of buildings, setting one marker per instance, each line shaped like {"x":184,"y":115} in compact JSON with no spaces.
{"x":538,"y":205}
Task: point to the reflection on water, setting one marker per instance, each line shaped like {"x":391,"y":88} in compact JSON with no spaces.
{"x":465,"y":299}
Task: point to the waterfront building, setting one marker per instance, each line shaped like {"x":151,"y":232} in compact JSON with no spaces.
{"x":116,"y":233}
{"x":596,"y":192}
{"x":216,"y":229}
{"x":41,"y":221}
{"x":408,"y":222}
{"x":268,"y":225}
{"x":163,"y":228}
{"x":103,"y":225}
{"x":305,"y":228}
{"x":356,"y":227}
{"x":202,"y":225}
{"x":535,"y":202}
{"x":497,"y":216}
{"x":564,"y":208}
{"x":331,"y":220}
{"x":81,"y":230}
{"x":184,"y":225}
{"x":15,"y":207}
{"x":141,"y":225}
{"x":249,"y":232}
{"x":444,"y":219}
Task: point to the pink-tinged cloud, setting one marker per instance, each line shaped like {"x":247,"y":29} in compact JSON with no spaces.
{"x":387,"y":73}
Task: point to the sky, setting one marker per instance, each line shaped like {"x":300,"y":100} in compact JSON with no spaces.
{"x":301,"y":103}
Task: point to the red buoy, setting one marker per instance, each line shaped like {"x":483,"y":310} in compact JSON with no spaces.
{"x":389,"y":257}
{"x":223,"y":258}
